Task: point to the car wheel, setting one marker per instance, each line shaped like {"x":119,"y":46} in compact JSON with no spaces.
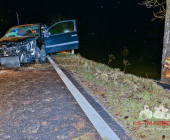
{"x":40,"y":55}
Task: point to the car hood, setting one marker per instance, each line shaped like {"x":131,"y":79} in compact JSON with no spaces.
{"x":5,"y":40}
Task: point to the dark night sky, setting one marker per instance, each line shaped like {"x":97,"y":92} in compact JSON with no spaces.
{"x":101,"y":23}
{"x":96,"y":14}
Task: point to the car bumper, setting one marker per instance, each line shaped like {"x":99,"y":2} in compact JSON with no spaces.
{"x":10,"y":61}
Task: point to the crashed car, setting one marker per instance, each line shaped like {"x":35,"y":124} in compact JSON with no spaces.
{"x":25,"y":43}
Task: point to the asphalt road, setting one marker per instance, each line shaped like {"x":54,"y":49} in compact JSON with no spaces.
{"x":42,"y":108}
{"x":36,"y":104}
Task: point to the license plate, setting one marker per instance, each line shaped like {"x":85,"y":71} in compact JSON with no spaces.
{"x":10,"y":61}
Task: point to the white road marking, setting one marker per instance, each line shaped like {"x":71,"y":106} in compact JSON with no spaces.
{"x":101,"y":126}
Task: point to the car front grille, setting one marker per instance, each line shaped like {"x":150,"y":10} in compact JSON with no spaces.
{"x":10,"y":51}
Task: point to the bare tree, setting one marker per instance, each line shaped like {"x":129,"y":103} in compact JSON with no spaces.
{"x":163,"y":14}
{"x":154,"y":3}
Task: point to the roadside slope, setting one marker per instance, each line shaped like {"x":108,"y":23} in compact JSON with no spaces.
{"x":122,"y":95}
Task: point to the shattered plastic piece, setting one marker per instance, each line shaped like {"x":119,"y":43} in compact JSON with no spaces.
{"x":167,"y":74}
{"x":56,"y":129}
{"x":167,"y":65}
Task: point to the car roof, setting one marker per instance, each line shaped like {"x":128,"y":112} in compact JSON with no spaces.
{"x":27,"y":25}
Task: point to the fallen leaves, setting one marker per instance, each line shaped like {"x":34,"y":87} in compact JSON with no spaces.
{"x":96,"y":93}
{"x":79,"y":124}
{"x":127,"y":134}
{"x":43,"y":123}
{"x":48,"y":100}
{"x":103,"y":95}
{"x":27,"y":102}
{"x":143,"y":136}
{"x":166,"y":104}
{"x":1,"y":131}
{"x":134,"y":128}
{"x":127,"y":123}
{"x":126,"y":117}
{"x":56,"y":129}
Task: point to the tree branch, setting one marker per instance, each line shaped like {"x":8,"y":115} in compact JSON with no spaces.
{"x":155,"y":3}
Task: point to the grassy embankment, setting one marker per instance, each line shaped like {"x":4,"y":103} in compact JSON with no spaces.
{"x":140,"y":67}
{"x":123,"y":95}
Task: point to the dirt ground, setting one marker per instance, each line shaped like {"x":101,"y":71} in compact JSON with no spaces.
{"x":35,"y":104}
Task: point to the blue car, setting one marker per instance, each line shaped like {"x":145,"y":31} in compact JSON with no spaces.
{"x":25,"y":43}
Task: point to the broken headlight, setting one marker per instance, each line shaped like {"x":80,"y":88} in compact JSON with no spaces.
{"x":33,"y":43}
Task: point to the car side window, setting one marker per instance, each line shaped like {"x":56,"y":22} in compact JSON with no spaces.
{"x":62,"y":27}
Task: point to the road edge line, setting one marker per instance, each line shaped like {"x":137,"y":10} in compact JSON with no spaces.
{"x":101,"y":126}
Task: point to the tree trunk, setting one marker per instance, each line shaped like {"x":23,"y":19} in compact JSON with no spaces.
{"x":165,"y":71}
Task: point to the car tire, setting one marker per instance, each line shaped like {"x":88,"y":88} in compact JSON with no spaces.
{"x":40,"y":55}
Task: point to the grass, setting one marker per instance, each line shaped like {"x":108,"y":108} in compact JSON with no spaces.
{"x":123,"y":95}
{"x":138,"y":67}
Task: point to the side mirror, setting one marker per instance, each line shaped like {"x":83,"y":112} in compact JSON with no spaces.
{"x":46,"y":34}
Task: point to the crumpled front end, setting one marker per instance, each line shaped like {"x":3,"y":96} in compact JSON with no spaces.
{"x":14,"y":53}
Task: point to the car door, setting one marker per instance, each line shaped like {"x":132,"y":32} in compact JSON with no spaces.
{"x":61,"y":36}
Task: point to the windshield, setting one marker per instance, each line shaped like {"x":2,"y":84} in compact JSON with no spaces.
{"x":28,"y":30}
